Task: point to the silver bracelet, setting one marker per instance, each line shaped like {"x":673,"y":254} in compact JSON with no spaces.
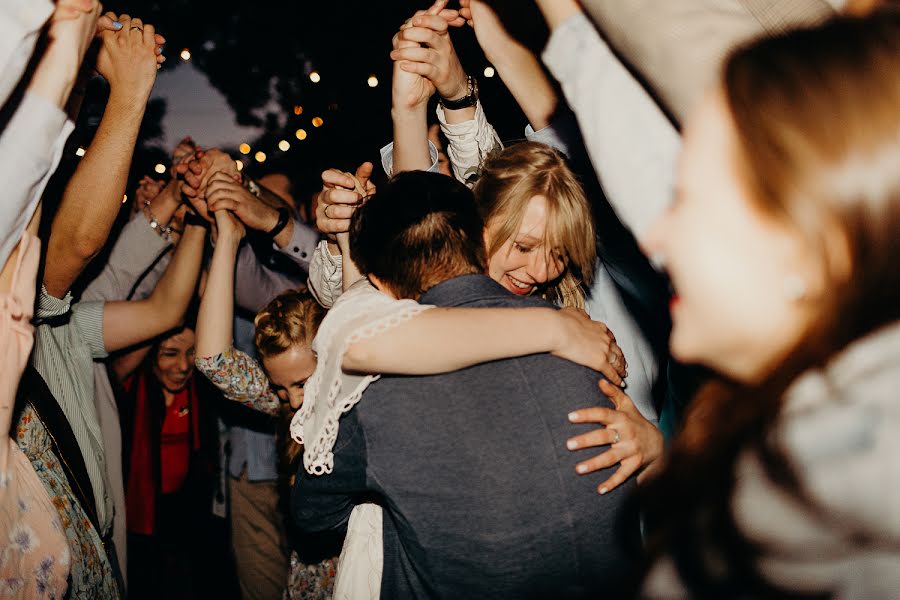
{"x":155,"y":225}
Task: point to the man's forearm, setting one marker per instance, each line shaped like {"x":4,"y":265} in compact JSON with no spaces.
{"x":410,"y":140}
{"x":93,"y":196}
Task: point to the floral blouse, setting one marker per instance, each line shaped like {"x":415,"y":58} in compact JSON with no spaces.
{"x":241,"y":378}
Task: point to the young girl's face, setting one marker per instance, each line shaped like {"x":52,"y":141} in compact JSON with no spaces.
{"x":523,"y":263}
{"x":174,"y":362}
{"x":289,"y":371}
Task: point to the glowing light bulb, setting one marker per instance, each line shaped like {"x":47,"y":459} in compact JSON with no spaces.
{"x":301,"y":134}
{"x":372,"y":81}
{"x":80,"y":151}
{"x":244,"y":148}
{"x":260,"y":157}
{"x":160,"y":168}
{"x":284,"y":145}
{"x":489,"y":71}
{"x":315,"y":77}
{"x":185,"y":55}
{"x":124,"y":198}
{"x":317,"y":121}
{"x":298,"y":110}
{"x":239,"y":164}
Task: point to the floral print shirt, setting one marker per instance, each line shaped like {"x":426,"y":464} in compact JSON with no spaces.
{"x":241,"y":378}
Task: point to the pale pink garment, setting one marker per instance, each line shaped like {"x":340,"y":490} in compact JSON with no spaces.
{"x":34,"y":555}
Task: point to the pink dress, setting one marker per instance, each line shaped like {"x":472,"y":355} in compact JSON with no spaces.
{"x":34,"y":555}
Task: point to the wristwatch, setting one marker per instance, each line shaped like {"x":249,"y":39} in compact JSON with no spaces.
{"x":470,"y":99}
{"x":284,"y":215}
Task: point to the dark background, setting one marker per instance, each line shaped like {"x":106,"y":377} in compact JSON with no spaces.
{"x":259,"y":54}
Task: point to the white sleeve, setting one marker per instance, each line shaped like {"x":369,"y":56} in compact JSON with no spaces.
{"x":469,"y":142}
{"x":631,"y":142}
{"x":326,"y":280}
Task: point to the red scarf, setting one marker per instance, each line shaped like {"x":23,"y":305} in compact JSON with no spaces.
{"x":143,"y":486}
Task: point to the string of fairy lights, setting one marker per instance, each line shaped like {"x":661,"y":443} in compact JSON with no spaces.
{"x":283,"y":145}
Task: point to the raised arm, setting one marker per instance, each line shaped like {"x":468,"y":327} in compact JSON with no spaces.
{"x":632,"y":144}
{"x":216,"y":314}
{"x":679,"y":45}
{"x":410,"y":348}
{"x":517,"y":66}
{"x":31,"y":142}
{"x":128,"y":61}
{"x":132,"y":322}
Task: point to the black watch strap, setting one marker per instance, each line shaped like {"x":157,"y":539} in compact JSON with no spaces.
{"x":470,"y":99}
{"x":192,"y":218}
{"x":284,"y":215}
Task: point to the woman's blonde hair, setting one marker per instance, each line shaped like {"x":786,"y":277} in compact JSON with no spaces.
{"x":292,"y":317}
{"x":510,"y":179}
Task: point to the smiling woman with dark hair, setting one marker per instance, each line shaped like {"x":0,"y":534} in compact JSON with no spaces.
{"x":170,"y":449}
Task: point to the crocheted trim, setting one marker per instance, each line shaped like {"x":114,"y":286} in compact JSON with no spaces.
{"x":318,"y":455}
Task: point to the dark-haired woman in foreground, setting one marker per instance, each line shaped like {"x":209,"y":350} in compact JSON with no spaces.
{"x":784,"y":249}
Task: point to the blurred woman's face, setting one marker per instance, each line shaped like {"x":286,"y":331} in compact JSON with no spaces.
{"x":738,"y":274}
{"x":289,"y":371}
{"x":174,"y":364}
{"x":523,"y":263}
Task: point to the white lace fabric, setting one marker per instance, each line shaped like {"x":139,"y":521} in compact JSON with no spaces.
{"x":360,"y":313}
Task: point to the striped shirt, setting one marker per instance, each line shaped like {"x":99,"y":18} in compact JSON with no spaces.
{"x":67,"y":339}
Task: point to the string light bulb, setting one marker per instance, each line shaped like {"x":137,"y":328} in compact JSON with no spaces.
{"x":260,"y":156}
{"x":298,"y":110}
{"x":301,"y":134}
{"x":185,"y":55}
{"x":284,"y":145}
{"x":489,"y":71}
{"x":124,"y":198}
{"x":239,"y":164}
{"x":244,"y":148}
{"x":80,"y":151}
{"x":372,"y":81}
{"x":160,"y":168}
{"x":317,"y":122}
{"x":315,"y":77}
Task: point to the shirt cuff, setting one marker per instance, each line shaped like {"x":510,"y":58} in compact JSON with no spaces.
{"x":387,"y":158}
{"x":559,"y":134}
{"x":302,"y":245}
{"x":50,"y":307}
{"x":88,"y":319}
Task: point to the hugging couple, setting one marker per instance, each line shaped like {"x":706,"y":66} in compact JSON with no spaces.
{"x":456,"y":482}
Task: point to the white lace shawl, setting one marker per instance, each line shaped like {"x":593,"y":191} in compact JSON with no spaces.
{"x":361,"y":312}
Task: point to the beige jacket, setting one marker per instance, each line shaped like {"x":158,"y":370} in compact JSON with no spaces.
{"x":841,"y":429}
{"x":679,"y":45}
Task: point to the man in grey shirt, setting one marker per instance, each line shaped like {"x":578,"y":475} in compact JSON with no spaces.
{"x":480,"y":494}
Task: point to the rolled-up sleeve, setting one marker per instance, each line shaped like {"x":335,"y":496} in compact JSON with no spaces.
{"x":31,"y":146}
{"x":469,"y":142}
{"x":325,"y":276}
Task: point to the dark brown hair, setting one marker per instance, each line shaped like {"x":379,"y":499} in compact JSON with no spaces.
{"x":818,"y":134}
{"x":419,"y":229}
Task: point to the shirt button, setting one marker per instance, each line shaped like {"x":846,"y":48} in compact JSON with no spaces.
{"x":303,"y":255}
{"x":296,"y":249}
